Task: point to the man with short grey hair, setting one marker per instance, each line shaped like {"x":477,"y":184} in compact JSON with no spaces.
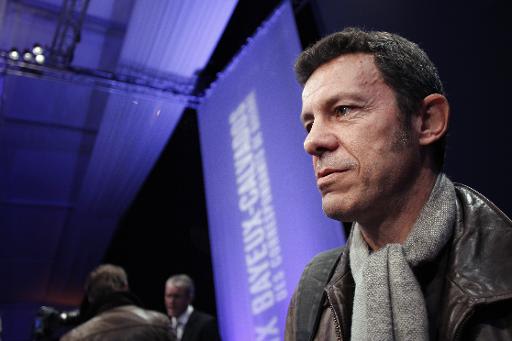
{"x":188,"y":323}
{"x":426,"y":259}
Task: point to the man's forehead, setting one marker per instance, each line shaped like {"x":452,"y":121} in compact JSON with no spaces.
{"x":174,"y":287}
{"x":352,"y":63}
{"x":175,"y":293}
{"x":348,"y":69}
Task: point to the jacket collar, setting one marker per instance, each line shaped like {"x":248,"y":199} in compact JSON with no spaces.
{"x":479,"y":268}
{"x":340,"y":293}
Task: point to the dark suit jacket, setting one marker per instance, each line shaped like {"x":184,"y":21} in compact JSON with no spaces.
{"x":200,"y":327}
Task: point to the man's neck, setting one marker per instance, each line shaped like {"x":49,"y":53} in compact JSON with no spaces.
{"x":400,"y":217}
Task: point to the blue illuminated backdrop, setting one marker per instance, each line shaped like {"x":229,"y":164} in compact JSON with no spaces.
{"x":264,"y":212}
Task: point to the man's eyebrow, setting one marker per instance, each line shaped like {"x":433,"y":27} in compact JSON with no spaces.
{"x":340,"y":96}
{"x":306,"y":116}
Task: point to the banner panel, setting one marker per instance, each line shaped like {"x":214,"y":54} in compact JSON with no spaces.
{"x":264,"y":211}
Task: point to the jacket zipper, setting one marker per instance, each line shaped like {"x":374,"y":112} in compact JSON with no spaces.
{"x":339,"y":334}
{"x":461,"y":326}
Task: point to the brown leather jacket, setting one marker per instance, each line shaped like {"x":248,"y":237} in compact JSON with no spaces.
{"x":126,"y":323}
{"x":475,"y":291}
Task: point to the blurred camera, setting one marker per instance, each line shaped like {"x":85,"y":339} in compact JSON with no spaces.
{"x":50,"y":321}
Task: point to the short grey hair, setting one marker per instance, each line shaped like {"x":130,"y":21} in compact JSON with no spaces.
{"x":183,"y":281}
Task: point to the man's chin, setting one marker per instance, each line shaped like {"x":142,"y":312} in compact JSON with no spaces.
{"x":335,"y":211}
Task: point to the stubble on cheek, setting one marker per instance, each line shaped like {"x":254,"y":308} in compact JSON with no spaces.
{"x":401,"y":140}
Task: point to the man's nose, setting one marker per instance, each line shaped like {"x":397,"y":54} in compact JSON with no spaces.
{"x":320,"y":139}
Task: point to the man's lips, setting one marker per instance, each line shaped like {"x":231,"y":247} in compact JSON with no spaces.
{"x":327,"y":171}
{"x":326,"y":177}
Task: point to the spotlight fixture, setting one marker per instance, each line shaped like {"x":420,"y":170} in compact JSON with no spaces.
{"x":39,"y":58}
{"x":13,"y":54}
{"x":37,"y":50}
{"x":28,"y":56}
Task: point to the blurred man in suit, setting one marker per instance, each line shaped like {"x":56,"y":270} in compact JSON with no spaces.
{"x":188,"y":323}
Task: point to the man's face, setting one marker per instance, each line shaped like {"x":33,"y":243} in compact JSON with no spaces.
{"x":176,"y":300}
{"x":363,"y":157}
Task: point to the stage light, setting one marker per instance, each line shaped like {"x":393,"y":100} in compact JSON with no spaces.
{"x":13,"y":54}
{"x":39,"y":58}
{"x":28,"y":56}
{"x":37,"y":50}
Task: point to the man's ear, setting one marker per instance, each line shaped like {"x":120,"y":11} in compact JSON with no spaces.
{"x":434,"y":114}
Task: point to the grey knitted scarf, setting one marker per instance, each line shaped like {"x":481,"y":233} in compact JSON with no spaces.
{"x":388,"y":301}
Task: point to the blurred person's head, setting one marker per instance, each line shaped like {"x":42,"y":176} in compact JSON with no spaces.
{"x":179,"y":293}
{"x":105,"y":280}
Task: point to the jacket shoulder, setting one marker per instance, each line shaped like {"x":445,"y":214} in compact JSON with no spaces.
{"x":476,"y":205}
{"x":201,"y":326}
{"x":147,"y":316}
{"x":308,"y":297}
{"x":321,"y":266}
{"x":202,"y":316}
{"x":482,"y":247}
{"x":125,"y":322}
{"x":478,"y":294}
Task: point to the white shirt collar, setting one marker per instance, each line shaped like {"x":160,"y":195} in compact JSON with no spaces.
{"x":183,"y":318}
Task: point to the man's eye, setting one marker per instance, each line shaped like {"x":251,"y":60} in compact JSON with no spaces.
{"x":308,"y":126}
{"x":342,"y":110}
